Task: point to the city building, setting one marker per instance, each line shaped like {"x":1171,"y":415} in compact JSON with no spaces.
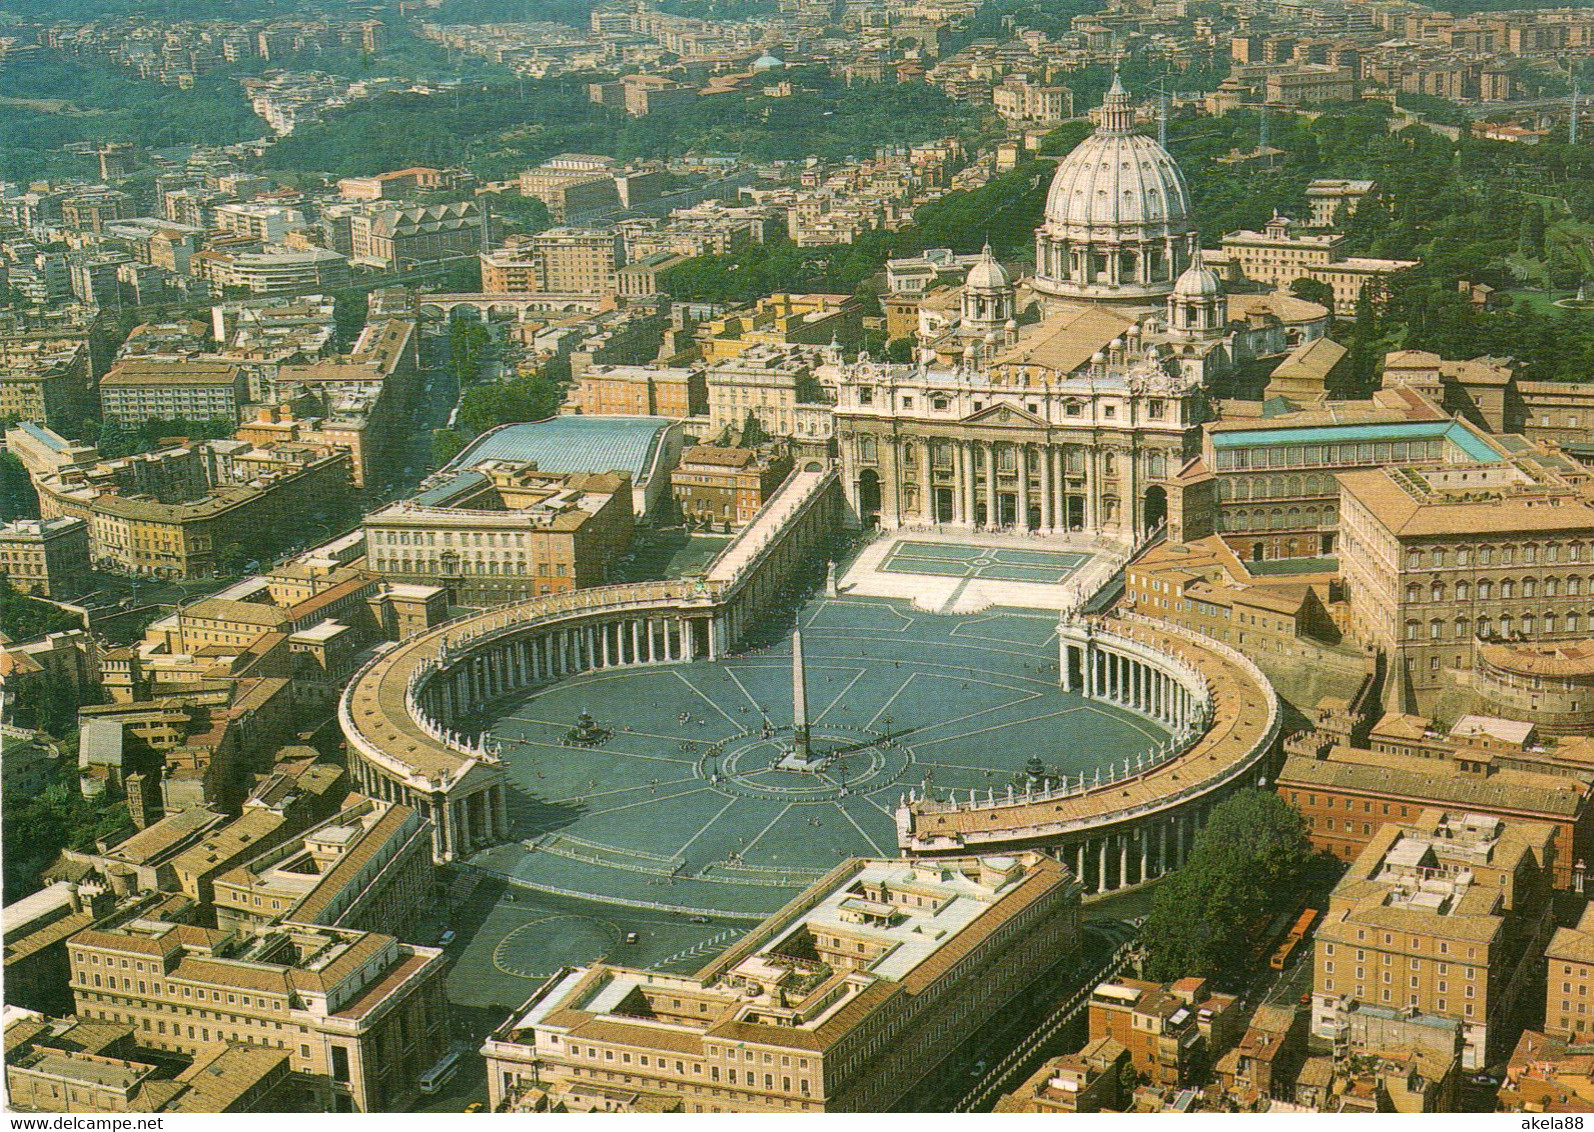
{"x":1548,"y":1075}
{"x":1441,"y":560}
{"x":1346,"y":794}
{"x":403,"y":237}
{"x":1173,"y":1033}
{"x":1279,"y":255}
{"x":72,"y":1066}
{"x":199,"y":511}
{"x":1334,"y":199}
{"x":360,"y":1015}
{"x":37,"y":973}
{"x":1569,"y":967}
{"x":501,"y":531}
{"x":571,"y":195}
{"x":137,"y":391}
{"x":639,"y":391}
{"x":268,"y":223}
{"x":48,"y":557}
{"x":644,"y":449}
{"x":779,"y":387}
{"x":400,"y":184}
{"x":723,"y":488}
{"x":274,"y":270}
{"x":821,"y":1008}
{"x":368,"y":867}
{"x":1087,"y":1081}
{"x":781,"y":320}
{"x":1017,"y":99}
{"x":1445,"y":913}
{"x":567,"y":261}
{"x":1203,"y":585}
{"x":45,"y":381}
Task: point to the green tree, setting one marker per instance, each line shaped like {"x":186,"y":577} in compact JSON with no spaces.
{"x":18,"y":500}
{"x":1249,"y":863}
{"x":1313,"y":291}
{"x":1530,"y":232}
{"x":36,"y":827}
{"x":446,"y":444}
{"x":753,"y":432}
{"x":22,"y":618}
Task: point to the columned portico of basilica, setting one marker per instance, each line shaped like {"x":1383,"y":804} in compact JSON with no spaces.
{"x":1068,"y":400}
{"x":1007,"y":449}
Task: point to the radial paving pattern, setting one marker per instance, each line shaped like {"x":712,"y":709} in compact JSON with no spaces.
{"x":683,"y":805}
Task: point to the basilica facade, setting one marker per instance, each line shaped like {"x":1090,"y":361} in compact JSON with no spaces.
{"x":1065,"y":401}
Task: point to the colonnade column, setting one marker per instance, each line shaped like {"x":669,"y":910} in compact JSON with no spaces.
{"x":1048,"y":523}
{"x":990,"y":486}
{"x":965,"y":457}
{"x":1021,"y":504}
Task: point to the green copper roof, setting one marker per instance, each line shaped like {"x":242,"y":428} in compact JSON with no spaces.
{"x":1458,"y":434}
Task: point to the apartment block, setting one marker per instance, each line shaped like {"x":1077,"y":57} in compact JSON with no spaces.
{"x":725,"y":487}
{"x":1174,"y":1033}
{"x":639,"y":391}
{"x":368,"y":867}
{"x":1446,"y":913}
{"x":48,"y":557}
{"x":134,"y":392}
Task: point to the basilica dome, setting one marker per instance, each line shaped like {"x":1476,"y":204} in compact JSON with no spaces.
{"x":1118,"y":222}
{"x":1115,"y":179}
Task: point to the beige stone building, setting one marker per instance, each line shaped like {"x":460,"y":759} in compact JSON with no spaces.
{"x":368,"y":867}
{"x":73,"y":1066}
{"x":199,"y":510}
{"x":1446,"y":914}
{"x":567,"y":261}
{"x":725,"y":487}
{"x":49,"y":557}
{"x":360,"y":1015}
{"x":1437,"y":557}
{"x":1569,"y":986}
{"x":504,"y":531}
{"x":45,"y":381}
{"x":1279,"y":255}
{"x":1204,"y":586}
{"x":838,"y":1003}
{"x":639,"y":391}
{"x":778,"y":386}
{"x":134,"y":392}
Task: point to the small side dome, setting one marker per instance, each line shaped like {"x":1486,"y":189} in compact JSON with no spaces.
{"x":1198,"y":282}
{"x":987,"y":274}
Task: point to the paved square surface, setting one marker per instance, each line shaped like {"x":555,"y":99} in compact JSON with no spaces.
{"x":998,"y":563}
{"x":680,"y":829}
{"x":683,"y":807}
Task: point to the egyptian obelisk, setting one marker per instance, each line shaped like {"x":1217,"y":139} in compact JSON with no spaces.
{"x":799,"y":698}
